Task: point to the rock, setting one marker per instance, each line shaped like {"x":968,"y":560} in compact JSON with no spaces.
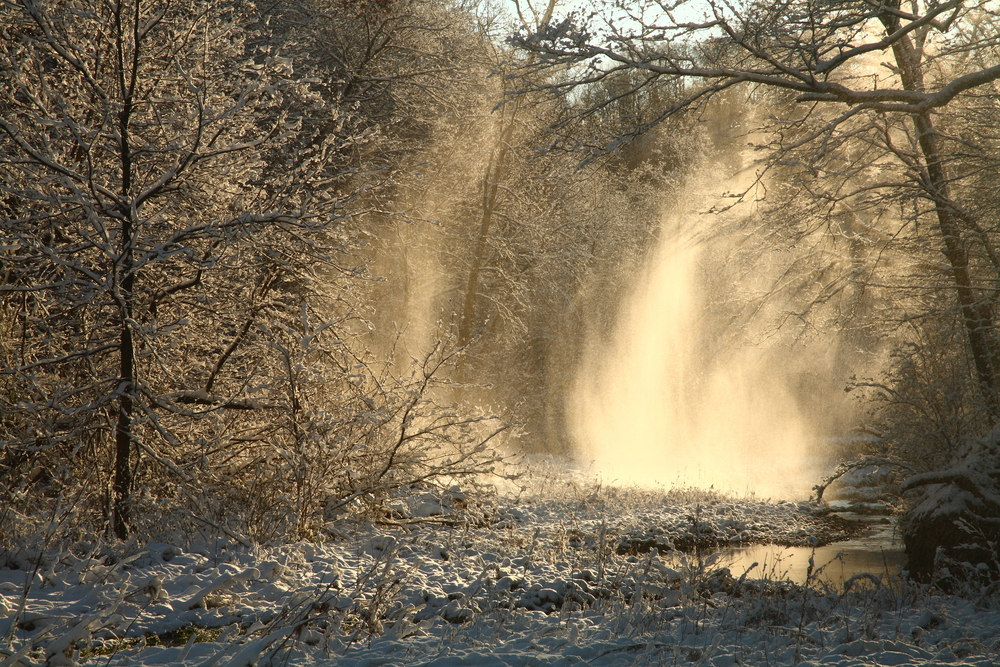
{"x":453,"y":613}
{"x":944,"y":526}
{"x":953,"y":518}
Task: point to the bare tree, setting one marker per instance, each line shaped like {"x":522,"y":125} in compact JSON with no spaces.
{"x":182,"y":330}
{"x":821,"y":57}
{"x":134,"y":136}
{"x":874,"y":123}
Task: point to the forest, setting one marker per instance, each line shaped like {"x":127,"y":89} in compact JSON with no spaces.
{"x":274,"y":268}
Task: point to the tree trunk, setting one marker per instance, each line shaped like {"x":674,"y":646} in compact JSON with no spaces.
{"x":976,"y":314}
{"x":126,"y":386}
{"x":128,"y":70}
{"x":495,"y":171}
{"x":123,"y":437}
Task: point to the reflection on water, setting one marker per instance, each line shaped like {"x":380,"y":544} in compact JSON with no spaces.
{"x":877,"y":551}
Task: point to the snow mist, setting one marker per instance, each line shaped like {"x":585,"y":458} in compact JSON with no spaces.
{"x":675,"y":399}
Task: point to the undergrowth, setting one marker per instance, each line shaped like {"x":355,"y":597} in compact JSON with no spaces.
{"x":490,"y":572}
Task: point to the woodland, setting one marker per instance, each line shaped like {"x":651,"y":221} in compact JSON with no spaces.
{"x":268,"y":264}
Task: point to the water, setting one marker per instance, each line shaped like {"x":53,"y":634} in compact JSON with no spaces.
{"x":878,"y":550}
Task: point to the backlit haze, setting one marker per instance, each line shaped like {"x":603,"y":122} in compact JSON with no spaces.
{"x":673,"y":399}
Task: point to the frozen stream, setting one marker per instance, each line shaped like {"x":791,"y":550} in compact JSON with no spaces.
{"x":878,"y":550}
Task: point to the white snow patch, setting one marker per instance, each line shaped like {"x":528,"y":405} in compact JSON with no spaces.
{"x":585,"y":577}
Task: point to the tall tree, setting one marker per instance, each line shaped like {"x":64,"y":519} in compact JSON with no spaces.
{"x":868,"y":104}
{"x":822,"y":58}
{"x":493,"y":176}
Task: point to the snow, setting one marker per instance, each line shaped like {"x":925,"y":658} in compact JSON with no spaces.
{"x":581,"y":574}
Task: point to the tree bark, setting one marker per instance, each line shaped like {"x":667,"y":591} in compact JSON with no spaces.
{"x":491,"y":184}
{"x":123,"y":431}
{"x":976,"y":314}
{"x":128,"y":64}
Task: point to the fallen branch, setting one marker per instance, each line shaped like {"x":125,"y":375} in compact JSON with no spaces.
{"x":844,"y":468}
{"x":242,"y":540}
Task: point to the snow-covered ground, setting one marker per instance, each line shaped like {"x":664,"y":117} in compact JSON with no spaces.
{"x":579,"y":574}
